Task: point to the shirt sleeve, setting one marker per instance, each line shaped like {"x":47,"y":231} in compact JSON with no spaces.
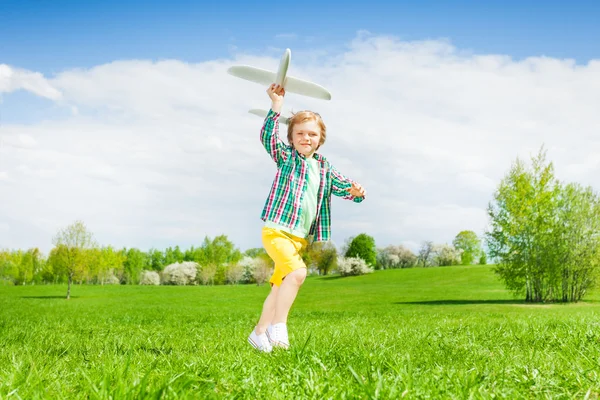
{"x":269,"y":137}
{"x":340,"y":185}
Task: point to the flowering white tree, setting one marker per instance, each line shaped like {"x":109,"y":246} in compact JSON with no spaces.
{"x":353,"y":266}
{"x":262,"y":270}
{"x":444,"y":254}
{"x":248,"y":265}
{"x":396,"y":257}
{"x":234,"y":273}
{"x":180,"y":273}
{"x":149,"y":278}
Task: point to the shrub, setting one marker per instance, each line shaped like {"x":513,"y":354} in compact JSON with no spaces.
{"x":180,"y":273}
{"x":207,"y":274}
{"x":234,"y":273}
{"x":446,"y":255}
{"x":262,"y":271}
{"x":353,"y":266}
{"x":149,"y":278}
{"x":395,"y":257}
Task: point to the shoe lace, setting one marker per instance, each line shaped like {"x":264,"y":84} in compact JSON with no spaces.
{"x":280,"y":333}
{"x":264,"y":342}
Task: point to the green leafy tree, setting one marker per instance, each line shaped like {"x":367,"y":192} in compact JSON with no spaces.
{"x":363,"y":246}
{"x":544,"y":235}
{"x":469,"y":243}
{"x":483,"y":258}
{"x":72,"y":255}
{"x":133,"y":264}
{"x":218,"y":251}
{"x":322,"y":255}
{"x":255,"y":252}
{"x":577,"y":244}
{"x":156,"y":260}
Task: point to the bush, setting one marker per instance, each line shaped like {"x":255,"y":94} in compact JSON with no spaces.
{"x":353,"y":266}
{"x":483,"y":259}
{"x":180,"y":273}
{"x":445,"y":255}
{"x":149,"y":278}
{"x":395,"y":257}
{"x":111,"y":279}
{"x":262,"y":271}
{"x":207,"y":274}
{"x":234,"y":273}
{"x":248,"y":264}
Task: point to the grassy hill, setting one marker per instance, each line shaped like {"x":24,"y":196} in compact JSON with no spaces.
{"x":451,"y":332}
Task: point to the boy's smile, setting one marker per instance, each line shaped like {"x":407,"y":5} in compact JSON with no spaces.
{"x":306,"y":137}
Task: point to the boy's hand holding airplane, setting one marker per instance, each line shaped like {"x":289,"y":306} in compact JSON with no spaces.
{"x":276,"y":94}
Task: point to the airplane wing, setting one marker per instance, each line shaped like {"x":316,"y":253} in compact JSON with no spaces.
{"x":253,"y":74}
{"x":306,"y":88}
{"x":263,"y":114}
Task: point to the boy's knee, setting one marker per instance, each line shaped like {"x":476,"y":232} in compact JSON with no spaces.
{"x":299,"y":276}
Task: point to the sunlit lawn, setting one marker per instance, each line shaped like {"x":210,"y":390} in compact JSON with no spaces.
{"x":451,"y":332}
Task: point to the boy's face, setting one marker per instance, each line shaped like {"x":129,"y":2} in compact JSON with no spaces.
{"x":306,"y":137}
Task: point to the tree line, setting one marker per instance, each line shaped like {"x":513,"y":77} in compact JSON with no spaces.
{"x":77,"y":258}
{"x":544,"y":239}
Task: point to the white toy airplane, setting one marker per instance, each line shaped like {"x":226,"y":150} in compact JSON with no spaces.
{"x":263,"y":114}
{"x":289,"y":83}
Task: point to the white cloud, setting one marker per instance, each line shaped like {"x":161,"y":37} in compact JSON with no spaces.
{"x":12,"y":79}
{"x":164,"y":153}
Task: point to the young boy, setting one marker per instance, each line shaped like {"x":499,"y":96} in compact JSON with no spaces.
{"x":298,"y":205}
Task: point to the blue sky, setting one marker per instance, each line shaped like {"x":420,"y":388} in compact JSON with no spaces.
{"x":49,"y":36}
{"x":154,"y":154}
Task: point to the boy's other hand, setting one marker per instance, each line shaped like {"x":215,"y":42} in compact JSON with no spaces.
{"x":276,"y":94}
{"x":357,"y":190}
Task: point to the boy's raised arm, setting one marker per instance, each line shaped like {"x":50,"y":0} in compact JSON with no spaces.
{"x":269,"y":134}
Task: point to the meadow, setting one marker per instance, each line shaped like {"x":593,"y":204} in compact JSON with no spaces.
{"x":446,"y":332}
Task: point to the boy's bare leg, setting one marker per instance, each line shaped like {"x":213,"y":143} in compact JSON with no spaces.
{"x":268,"y":311}
{"x":287,"y":294}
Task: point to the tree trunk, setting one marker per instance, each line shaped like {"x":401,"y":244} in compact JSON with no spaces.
{"x":69,"y":287}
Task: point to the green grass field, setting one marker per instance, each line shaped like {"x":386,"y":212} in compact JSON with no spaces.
{"x":451,"y":332}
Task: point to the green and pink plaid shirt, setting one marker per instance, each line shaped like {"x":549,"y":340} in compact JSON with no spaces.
{"x":283,"y":204}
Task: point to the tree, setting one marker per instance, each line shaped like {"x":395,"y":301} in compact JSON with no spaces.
{"x":395,"y":257}
{"x":263,"y":268}
{"x":218,"y":252}
{"x":469,"y":243}
{"x":483,"y":258}
{"x":320,"y":255}
{"x":544,"y":235}
{"x":255,"y":252}
{"x":353,"y":266}
{"x":363,"y":246}
{"x":73,"y":243}
{"x":134,"y":263}
{"x":425,"y":254}
{"x":156,"y":260}
{"x":578,"y":242}
{"x":444,"y":255}
{"x":234,"y":273}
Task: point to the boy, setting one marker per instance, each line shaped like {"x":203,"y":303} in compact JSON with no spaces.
{"x":297,"y":206}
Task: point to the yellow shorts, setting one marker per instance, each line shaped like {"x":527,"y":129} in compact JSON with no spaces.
{"x":284,"y":249}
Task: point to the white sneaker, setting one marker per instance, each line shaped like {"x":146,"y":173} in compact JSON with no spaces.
{"x":278,"y":335}
{"x":260,"y":342}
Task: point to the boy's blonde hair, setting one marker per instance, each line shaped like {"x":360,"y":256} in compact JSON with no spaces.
{"x":304,"y":116}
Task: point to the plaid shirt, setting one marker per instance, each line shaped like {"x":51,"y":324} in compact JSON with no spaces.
{"x":283,"y":204}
